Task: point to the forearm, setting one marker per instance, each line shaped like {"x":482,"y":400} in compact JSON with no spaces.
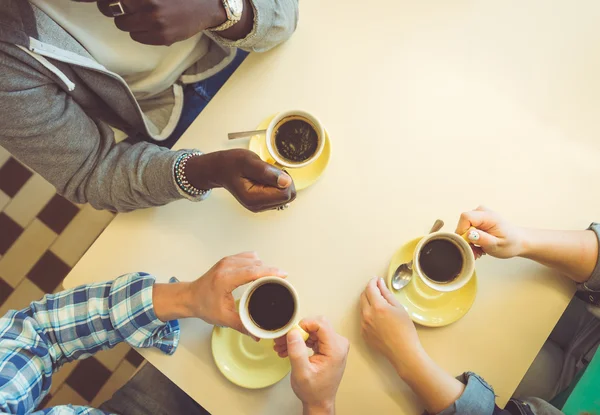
{"x":573,"y":253}
{"x":72,"y":325}
{"x":436,"y":388}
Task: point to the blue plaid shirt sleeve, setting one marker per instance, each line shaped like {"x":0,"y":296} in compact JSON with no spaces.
{"x":74,"y":324}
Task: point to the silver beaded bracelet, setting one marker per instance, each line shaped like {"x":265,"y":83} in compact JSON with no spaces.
{"x":180,"y":178}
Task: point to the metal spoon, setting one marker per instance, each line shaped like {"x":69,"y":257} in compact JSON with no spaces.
{"x":403,"y":273}
{"x":244,"y":134}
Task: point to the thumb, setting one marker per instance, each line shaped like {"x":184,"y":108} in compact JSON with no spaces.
{"x":234,"y":322}
{"x":487,"y":242}
{"x":297,"y":350}
{"x":264,"y":173}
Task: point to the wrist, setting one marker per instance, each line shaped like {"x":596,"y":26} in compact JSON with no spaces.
{"x":526,"y":243}
{"x":323,"y":408}
{"x":216,"y":13}
{"x":201,"y":173}
{"x":172,"y":301}
{"x":408,"y":364}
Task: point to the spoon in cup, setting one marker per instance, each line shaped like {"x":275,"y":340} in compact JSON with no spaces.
{"x":404,"y":272}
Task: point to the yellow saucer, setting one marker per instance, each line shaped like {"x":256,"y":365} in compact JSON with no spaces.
{"x":245,"y":362}
{"x":303,"y":176}
{"x":425,"y":305}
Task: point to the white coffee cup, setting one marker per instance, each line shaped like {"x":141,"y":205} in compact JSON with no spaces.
{"x":279,"y":120}
{"x":258,"y":331}
{"x":468,"y":265}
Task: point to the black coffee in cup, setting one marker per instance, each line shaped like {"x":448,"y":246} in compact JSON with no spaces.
{"x":271,"y":306}
{"x":296,"y":139}
{"x":441,"y":260}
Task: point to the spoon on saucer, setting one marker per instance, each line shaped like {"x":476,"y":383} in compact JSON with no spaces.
{"x":403,"y":273}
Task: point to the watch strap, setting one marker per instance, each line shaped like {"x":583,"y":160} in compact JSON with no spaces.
{"x":231,"y":19}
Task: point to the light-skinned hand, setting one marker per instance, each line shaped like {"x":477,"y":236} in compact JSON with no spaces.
{"x":210,"y":296}
{"x":315,"y":379}
{"x":387,"y":327}
{"x":494,"y":235}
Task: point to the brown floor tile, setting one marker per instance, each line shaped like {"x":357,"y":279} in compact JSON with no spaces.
{"x":88,"y":378}
{"x":9,"y":232}
{"x":13,"y":176}
{"x":134,"y":358}
{"x":5,"y":291}
{"x":58,"y":213}
{"x":48,"y":272}
{"x":45,"y":401}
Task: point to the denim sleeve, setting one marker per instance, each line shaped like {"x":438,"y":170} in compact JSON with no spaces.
{"x":593,"y":284}
{"x":477,"y":398}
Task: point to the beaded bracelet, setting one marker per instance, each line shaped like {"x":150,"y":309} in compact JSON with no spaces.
{"x":181,"y":179}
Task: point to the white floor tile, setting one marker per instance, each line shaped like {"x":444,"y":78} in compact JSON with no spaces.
{"x":25,"y":293}
{"x":114,"y":383}
{"x":25,"y":252}
{"x":4,"y":155}
{"x":4,"y":200}
{"x":30,"y":200}
{"x":80,"y":234}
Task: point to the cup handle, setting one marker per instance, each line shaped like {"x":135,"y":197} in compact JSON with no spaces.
{"x":304,"y":334}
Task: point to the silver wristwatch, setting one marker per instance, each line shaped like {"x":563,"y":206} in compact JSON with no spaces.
{"x":234,"y":10}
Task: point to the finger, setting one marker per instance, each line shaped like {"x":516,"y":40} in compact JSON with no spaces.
{"x":280,"y":348}
{"x":364,"y":303}
{"x":264,"y":173}
{"x":283,"y":354}
{"x":248,"y":254}
{"x":148,"y":38}
{"x":232,"y":320}
{"x":241,"y":276}
{"x":374,"y":294}
{"x":319,"y":330}
{"x":129,"y":6}
{"x":281,"y":340}
{"x":136,"y":22}
{"x":481,"y":219}
{"x":487,"y":242}
{"x":260,"y":197}
{"x":297,"y":350}
{"x":383,"y":289}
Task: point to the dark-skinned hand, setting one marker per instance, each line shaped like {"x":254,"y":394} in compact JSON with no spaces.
{"x":257,"y":185}
{"x":164,"y":22}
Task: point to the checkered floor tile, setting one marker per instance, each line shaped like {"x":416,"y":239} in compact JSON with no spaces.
{"x":42,"y":236}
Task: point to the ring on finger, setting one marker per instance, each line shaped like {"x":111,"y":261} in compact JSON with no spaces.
{"x":117,"y":9}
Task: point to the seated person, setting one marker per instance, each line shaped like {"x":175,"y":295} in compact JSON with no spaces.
{"x":388,"y":328}
{"x":71,"y":77}
{"x":74,"y":324}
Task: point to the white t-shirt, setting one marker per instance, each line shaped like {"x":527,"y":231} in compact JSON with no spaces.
{"x":148,"y":70}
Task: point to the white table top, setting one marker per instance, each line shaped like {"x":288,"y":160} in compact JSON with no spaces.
{"x":432,"y":109}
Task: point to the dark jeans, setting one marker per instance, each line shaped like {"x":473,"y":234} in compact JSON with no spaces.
{"x":150,"y":392}
{"x":196,"y":97}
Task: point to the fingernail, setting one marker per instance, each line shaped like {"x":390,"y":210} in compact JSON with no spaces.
{"x":381,"y":280}
{"x":473,"y":236}
{"x":284,"y":180}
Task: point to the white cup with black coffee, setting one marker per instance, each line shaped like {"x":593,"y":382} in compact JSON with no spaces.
{"x":444,"y":261}
{"x":295,"y":138}
{"x":269,"y":308}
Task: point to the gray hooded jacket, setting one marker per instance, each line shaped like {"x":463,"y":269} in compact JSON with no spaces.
{"x":57,"y":106}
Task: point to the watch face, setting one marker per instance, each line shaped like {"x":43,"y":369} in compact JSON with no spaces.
{"x":236,"y":7}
